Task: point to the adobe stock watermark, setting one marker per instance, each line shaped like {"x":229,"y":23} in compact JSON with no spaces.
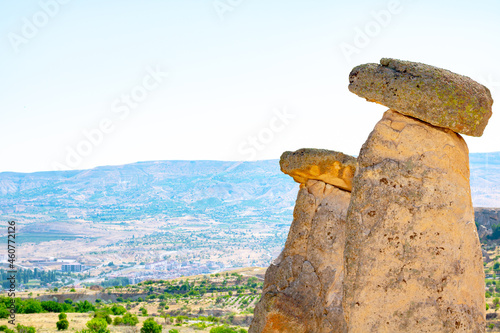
{"x":121,"y":108}
{"x":363,"y":36}
{"x":222,"y":7}
{"x":258,"y":142}
{"x":490,"y":81}
{"x":30,"y":27}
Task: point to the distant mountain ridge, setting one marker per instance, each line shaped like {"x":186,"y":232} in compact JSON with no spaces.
{"x":218,"y":190}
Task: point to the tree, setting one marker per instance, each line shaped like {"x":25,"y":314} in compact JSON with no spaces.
{"x":151,"y":326}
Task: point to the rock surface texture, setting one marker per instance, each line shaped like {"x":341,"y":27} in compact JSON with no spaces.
{"x":413,"y":260}
{"x":303,"y":288}
{"x":434,"y":95}
{"x":329,"y":166}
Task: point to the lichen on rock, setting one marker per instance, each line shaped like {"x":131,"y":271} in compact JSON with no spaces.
{"x":431,"y":94}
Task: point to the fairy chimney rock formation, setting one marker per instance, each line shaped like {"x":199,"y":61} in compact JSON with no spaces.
{"x":433,"y":95}
{"x":303,"y":288}
{"x":413,"y":260}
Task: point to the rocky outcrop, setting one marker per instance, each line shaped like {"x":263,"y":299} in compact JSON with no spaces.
{"x":303,"y":288}
{"x":413,"y":260}
{"x":485,"y":219}
{"x":434,"y":95}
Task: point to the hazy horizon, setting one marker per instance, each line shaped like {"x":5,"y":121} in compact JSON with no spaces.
{"x":89,"y":84}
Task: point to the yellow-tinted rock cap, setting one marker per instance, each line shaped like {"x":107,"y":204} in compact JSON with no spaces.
{"x":329,"y":166}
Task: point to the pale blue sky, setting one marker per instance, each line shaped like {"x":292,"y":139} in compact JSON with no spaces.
{"x":232,"y":66}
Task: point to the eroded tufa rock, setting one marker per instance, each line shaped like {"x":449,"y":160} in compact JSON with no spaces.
{"x":302,"y":290}
{"x":329,"y":166}
{"x":413,"y":259}
{"x":434,"y":95}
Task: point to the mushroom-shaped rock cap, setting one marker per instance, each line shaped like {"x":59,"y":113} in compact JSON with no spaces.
{"x":328,"y":166}
{"x":434,"y":95}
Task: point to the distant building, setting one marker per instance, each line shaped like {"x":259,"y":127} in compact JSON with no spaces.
{"x":73,"y":267}
{"x":163,"y":265}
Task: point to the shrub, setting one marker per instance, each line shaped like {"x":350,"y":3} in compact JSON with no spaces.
{"x":62,"y":324}
{"x":31,"y":306}
{"x":104,"y":314}
{"x":118,"y":310}
{"x":130,"y":319}
{"x":117,"y":321}
{"x":84,"y":306}
{"x":98,"y":325}
{"x":25,"y":329}
{"x":62,"y":315}
{"x":4,"y":313}
{"x":226,"y":329}
{"x":151,"y":326}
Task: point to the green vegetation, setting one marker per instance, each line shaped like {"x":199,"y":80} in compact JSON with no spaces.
{"x":496,"y":232}
{"x":151,"y":326}
{"x":35,"y":306}
{"x":25,"y":329}
{"x":96,"y":325}
{"x":63,"y":322}
{"x":226,"y":329}
{"x":26,"y":276}
{"x":180,"y":302}
{"x":128,"y":319}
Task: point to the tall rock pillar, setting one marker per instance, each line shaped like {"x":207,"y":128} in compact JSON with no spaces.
{"x":413,"y":259}
{"x":303,"y":288}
